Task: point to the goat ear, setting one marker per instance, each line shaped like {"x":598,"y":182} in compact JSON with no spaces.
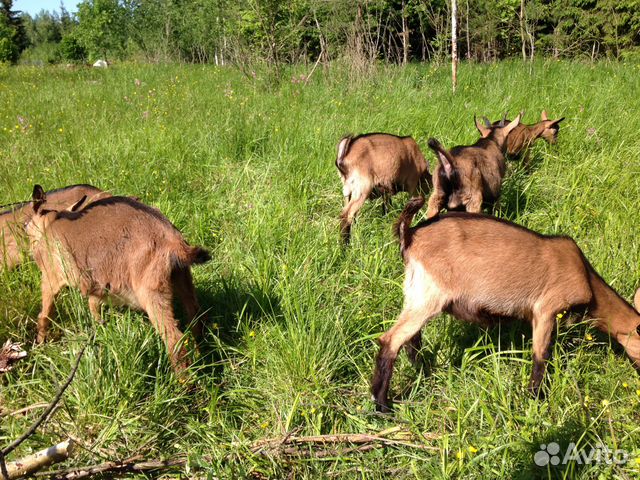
{"x":78,"y":204}
{"x":513,"y":124}
{"x":504,"y":119}
{"x":484,"y":131}
{"x":556,"y":122}
{"x":636,"y":300}
{"x":486,"y":121}
{"x":38,"y":197}
{"x":543,"y":115}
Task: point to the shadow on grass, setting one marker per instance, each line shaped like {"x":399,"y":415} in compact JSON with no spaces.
{"x":458,"y":336}
{"x":514,"y":197}
{"x":554,"y":454}
{"x":224,"y":309}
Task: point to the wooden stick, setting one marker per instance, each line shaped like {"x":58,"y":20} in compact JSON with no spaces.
{"x":353,"y":438}
{"x":13,"y":445}
{"x":32,"y":463}
{"x":115,"y":468}
{"x":35,"y":406}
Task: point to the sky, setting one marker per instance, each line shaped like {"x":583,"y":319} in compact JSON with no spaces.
{"x":34,"y":6}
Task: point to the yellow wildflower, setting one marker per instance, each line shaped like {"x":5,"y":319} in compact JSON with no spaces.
{"x":588,"y":337}
{"x":472,"y":449}
{"x":252,"y":334}
{"x":625,"y":385}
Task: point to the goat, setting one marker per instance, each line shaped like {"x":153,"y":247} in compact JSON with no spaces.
{"x":13,"y":239}
{"x":469,"y":177}
{"x":116,"y":248}
{"x":378,"y":164}
{"x":482,"y":269}
{"x":523,"y":136}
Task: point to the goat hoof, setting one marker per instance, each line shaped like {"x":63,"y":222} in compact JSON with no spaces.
{"x":536,"y":392}
{"x":382,"y":407}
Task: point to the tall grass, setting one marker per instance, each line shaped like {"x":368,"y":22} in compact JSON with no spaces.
{"x":245,"y":168}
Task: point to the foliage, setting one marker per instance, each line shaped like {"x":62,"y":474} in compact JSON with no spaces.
{"x":279,"y":33}
{"x":101,"y":28}
{"x":71,"y":49}
{"x":12,"y":33}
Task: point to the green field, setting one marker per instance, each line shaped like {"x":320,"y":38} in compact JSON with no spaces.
{"x":245,"y":167}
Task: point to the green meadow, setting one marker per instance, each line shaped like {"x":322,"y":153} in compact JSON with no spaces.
{"x":244,"y":165}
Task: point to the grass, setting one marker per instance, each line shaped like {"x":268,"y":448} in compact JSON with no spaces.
{"x":245,"y":168}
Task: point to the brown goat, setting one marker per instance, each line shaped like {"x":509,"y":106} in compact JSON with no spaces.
{"x":523,"y":136}
{"x":119,"y":249}
{"x":14,"y":245}
{"x":482,"y":269}
{"x":470,"y":177}
{"x":378,"y":164}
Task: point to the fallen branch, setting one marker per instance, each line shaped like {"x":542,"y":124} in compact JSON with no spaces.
{"x":9,"y":354}
{"x":45,"y":415}
{"x":24,"y":410}
{"x":32,"y":463}
{"x":113,"y":468}
{"x":290,"y":445}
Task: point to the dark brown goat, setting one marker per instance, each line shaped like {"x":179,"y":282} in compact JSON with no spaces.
{"x":378,"y":164}
{"x":483,"y":269}
{"x":119,"y":249}
{"x":14,"y":245}
{"x":523,"y":136}
{"x":470,"y":177}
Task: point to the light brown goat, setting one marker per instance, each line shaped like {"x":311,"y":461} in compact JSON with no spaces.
{"x":378,"y":164}
{"x":523,"y":136}
{"x":470,"y":177}
{"x":120,"y":249}
{"x":483,"y":269}
{"x":14,"y":245}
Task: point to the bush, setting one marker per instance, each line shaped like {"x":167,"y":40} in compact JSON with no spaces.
{"x":71,"y":50}
{"x":8,"y":47}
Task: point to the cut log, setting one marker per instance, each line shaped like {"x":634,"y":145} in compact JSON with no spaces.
{"x":33,"y":463}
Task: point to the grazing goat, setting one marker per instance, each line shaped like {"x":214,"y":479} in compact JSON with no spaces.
{"x":14,"y":245}
{"x":378,"y":164}
{"x":482,"y":269}
{"x":523,"y":136}
{"x":120,"y":249}
{"x":470,"y":177}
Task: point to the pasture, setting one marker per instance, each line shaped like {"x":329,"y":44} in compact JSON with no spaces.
{"x":245,"y":167}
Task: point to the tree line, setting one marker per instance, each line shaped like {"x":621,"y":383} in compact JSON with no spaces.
{"x":243,"y":32}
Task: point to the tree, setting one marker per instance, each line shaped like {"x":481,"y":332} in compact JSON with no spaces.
{"x":454,"y":45}
{"x":102,"y":27}
{"x":13,"y":38}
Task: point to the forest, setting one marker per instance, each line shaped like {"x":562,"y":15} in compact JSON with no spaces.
{"x":278,"y":33}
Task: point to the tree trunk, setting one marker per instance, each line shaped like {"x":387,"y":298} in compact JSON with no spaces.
{"x":405,"y":35}
{"x":468,"y":35}
{"x":454,"y":46}
{"x":522,"y":35}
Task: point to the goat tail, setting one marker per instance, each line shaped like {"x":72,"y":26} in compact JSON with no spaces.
{"x":187,"y":255}
{"x":445,"y":158}
{"x":198,"y":255}
{"x":404,"y":222}
{"x":343,"y":149}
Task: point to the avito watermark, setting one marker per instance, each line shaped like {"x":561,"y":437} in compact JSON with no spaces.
{"x":551,"y":454}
